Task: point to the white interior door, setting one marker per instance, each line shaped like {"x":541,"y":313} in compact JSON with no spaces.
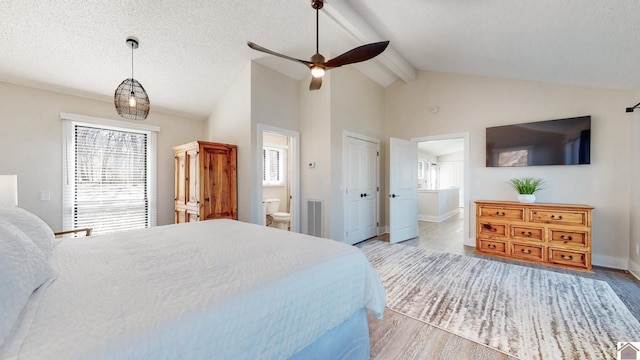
{"x":361,"y":189}
{"x":403,"y":190}
{"x":370,"y":190}
{"x":353,"y":191}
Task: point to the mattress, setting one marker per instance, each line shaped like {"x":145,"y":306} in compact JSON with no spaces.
{"x":218,"y":288}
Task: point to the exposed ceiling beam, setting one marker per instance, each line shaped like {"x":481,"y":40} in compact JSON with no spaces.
{"x":356,"y":27}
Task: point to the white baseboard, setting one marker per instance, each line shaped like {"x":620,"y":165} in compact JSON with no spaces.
{"x":610,"y":262}
{"x":634,"y":269}
{"x":470,"y":242}
{"x":440,"y":218}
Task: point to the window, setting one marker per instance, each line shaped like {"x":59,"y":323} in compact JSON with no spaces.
{"x":110,"y":176}
{"x":432,"y":176}
{"x":273,"y":166}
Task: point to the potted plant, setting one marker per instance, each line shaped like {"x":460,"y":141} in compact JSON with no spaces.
{"x":526,"y":187}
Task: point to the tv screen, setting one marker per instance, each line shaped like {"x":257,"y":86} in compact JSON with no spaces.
{"x":552,"y":142}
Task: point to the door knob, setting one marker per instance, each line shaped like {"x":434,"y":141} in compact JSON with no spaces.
{"x":394,"y":195}
{"x":361,"y":195}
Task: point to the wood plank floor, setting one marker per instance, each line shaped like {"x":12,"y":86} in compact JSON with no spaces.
{"x":401,"y":337}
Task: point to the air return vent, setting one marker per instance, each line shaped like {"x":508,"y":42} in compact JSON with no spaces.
{"x":315,"y":218}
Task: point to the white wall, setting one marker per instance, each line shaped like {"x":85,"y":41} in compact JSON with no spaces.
{"x":31,"y":144}
{"x":472,"y":103}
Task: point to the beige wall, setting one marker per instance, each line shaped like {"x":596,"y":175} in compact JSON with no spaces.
{"x":31,"y":144}
{"x":357,"y":106}
{"x":315,"y":142}
{"x":230,"y":123}
{"x":634,"y":214}
{"x":472,"y":103}
{"x":274,"y":103}
{"x":258,"y":95}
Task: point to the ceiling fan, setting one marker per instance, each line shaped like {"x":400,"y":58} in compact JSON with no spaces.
{"x":318,"y":65}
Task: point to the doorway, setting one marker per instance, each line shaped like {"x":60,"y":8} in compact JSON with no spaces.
{"x":442,"y":211}
{"x":403,"y":174}
{"x":278,"y":182}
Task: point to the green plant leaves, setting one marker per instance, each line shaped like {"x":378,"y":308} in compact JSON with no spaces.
{"x":527,"y":185}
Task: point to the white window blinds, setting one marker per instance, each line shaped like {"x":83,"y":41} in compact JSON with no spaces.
{"x":272,"y":166}
{"x":110,"y":180}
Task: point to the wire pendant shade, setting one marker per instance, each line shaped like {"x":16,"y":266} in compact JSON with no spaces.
{"x":131,"y":88}
{"x":130,"y":98}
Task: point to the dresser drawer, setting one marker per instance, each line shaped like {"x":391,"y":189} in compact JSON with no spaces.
{"x":559,"y":217}
{"x":498,"y":247}
{"x":527,"y":233}
{"x":527,"y":252}
{"x":568,"y":257}
{"x":507,"y":213}
{"x":490,"y":230}
{"x":568,"y":237}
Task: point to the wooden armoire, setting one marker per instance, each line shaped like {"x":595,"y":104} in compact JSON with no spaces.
{"x":205,"y":181}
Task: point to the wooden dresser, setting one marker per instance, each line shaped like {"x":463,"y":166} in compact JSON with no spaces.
{"x":205,"y":181}
{"x":550,"y":234}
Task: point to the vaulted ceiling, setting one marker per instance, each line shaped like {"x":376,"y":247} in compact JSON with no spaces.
{"x":191,"y":51}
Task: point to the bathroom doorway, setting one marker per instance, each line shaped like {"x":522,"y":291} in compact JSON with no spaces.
{"x":279,"y":178}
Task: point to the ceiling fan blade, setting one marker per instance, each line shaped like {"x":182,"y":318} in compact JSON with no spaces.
{"x":361,"y":53}
{"x":316,"y":82}
{"x":265,"y":50}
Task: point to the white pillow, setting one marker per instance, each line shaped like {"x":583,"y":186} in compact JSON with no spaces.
{"x":23,"y":268}
{"x":36,"y":229}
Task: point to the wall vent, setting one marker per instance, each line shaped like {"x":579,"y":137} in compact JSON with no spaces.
{"x":315,"y":219}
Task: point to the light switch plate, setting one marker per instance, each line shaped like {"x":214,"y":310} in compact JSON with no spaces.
{"x":45,"y":195}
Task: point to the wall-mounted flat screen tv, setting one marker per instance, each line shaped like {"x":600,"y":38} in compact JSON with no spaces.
{"x":552,"y":142}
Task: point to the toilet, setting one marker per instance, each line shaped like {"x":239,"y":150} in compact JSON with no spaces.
{"x":280,"y":220}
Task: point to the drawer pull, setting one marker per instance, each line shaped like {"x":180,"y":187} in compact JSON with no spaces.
{"x":489,"y":227}
{"x":566,"y":257}
{"x":528,"y":233}
{"x":500,"y":213}
{"x":526,"y":251}
{"x":568,"y":238}
{"x":491,"y":246}
{"x":559,"y":217}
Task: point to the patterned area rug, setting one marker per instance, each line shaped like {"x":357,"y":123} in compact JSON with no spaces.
{"x":524,"y":312}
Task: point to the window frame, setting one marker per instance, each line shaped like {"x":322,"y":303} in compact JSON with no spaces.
{"x":69,"y":123}
{"x":281,"y":166}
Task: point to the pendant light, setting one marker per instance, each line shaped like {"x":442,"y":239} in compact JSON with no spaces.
{"x":131,"y":101}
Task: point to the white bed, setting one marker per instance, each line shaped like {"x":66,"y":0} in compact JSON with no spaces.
{"x":218,"y":289}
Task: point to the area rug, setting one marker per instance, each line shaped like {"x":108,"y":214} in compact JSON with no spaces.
{"x":525,"y":312}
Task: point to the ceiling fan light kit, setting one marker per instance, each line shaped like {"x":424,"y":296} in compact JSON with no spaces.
{"x":318,"y":65}
{"x":130,"y":98}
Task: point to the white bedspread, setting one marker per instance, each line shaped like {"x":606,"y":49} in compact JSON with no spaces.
{"x":214,"y":289}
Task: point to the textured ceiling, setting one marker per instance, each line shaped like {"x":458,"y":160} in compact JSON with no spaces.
{"x":191,"y":51}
